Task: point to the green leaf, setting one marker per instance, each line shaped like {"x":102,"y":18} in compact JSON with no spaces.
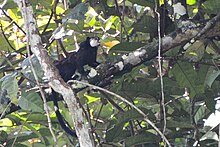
{"x":116,"y":131}
{"x":4,"y":101}
{"x":6,"y":122}
{"x":35,"y":117}
{"x":127,"y":46}
{"x":20,"y":145}
{"x":195,"y":51}
{"x":210,"y":135}
{"x":3,"y":136}
{"x":110,"y":3}
{"x":9,"y":5}
{"x":78,"y":12}
{"x":178,"y":124}
{"x":13,"y":13}
{"x":20,"y":137}
{"x":148,"y":24}
{"x":186,"y":77}
{"x":107,"y":110}
{"x":210,"y":95}
{"x":200,"y":113}
{"x":91,"y":98}
{"x":26,"y":68}
{"x":211,"y":76}
{"x":31,"y":101}
{"x":212,"y":6}
{"x":146,"y":137}
{"x":35,"y":131}
{"x":10,"y":84}
{"x":42,"y":3}
{"x":149,"y":3}
{"x":191,"y":2}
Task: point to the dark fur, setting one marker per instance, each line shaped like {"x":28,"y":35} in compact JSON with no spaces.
{"x":63,"y":123}
{"x":86,"y":55}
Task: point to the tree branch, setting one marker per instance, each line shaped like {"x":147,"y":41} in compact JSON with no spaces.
{"x":149,"y":51}
{"x":55,"y":81}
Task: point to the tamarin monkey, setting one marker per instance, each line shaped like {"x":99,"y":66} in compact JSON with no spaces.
{"x":86,"y":55}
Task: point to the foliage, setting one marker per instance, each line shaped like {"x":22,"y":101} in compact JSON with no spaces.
{"x":190,"y":75}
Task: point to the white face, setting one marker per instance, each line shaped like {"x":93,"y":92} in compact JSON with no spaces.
{"x":94,"y":42}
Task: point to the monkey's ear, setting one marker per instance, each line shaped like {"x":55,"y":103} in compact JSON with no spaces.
{"x":88,"y":38}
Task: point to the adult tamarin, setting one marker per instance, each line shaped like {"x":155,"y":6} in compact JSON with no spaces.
{"x":86,"y":55}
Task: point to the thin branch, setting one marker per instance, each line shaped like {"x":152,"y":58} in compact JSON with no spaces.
{"x":112,"y":102}
{"x":35,"y":75}
{"x":94,"y":126}
{"x":3,"y":113}
{"x":218,"y":134}
{"x":3,"y":4}
{"x":209,"y":25}
{"x":193,"y":121}
{"x":12,"y":20}
{"x":13,"y":144}
{"x":51,"y":16}
{"x":121,"y":17}
{"x":215,"y":47}
{"x":3,"y":33}
{"x":206,"y":62}
{"x":172,"y":100}
{"x":63,"y":48}
{"x":8,"y":61}
{"x":53,"y":11}
{"x":129,"y":103}
{"x":87,"y":112}
{"x":160,"y":69}
{"x":100,"y":110}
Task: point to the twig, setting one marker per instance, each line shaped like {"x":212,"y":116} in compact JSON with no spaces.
{"x":218,"y":134}
{"x":129,"y":103}
{"x":172,"y":100}
{"x":192,"y":113}
{"x":213,"y":44}
{"x":160,"y":69}
{"x":3,"y":113}
{"x":100,"y":110}
{"x":112,"y":102}
{"x":51,"y":16}
{"x":3,"y":4}
{"x":3,"y":33}
{"x":88,"y":117}
{"x":63,"y":48}
{"x":121,"y":17}
{"x":12,"y":21}
{"x":208,"y":26}
{"x":20,"y":130}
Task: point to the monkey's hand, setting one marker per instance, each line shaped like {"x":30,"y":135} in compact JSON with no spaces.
{"x":84,"y":76}
{"x":92,"y":73}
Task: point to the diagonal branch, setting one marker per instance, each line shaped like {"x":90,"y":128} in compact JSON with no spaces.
{"x":149,"y":51}
{"x":51,"y":73}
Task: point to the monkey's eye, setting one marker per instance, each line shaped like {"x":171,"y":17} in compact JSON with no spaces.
{"x":97,"y":38}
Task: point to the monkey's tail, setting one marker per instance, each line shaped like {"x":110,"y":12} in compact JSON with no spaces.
{"x":63,"y":123}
